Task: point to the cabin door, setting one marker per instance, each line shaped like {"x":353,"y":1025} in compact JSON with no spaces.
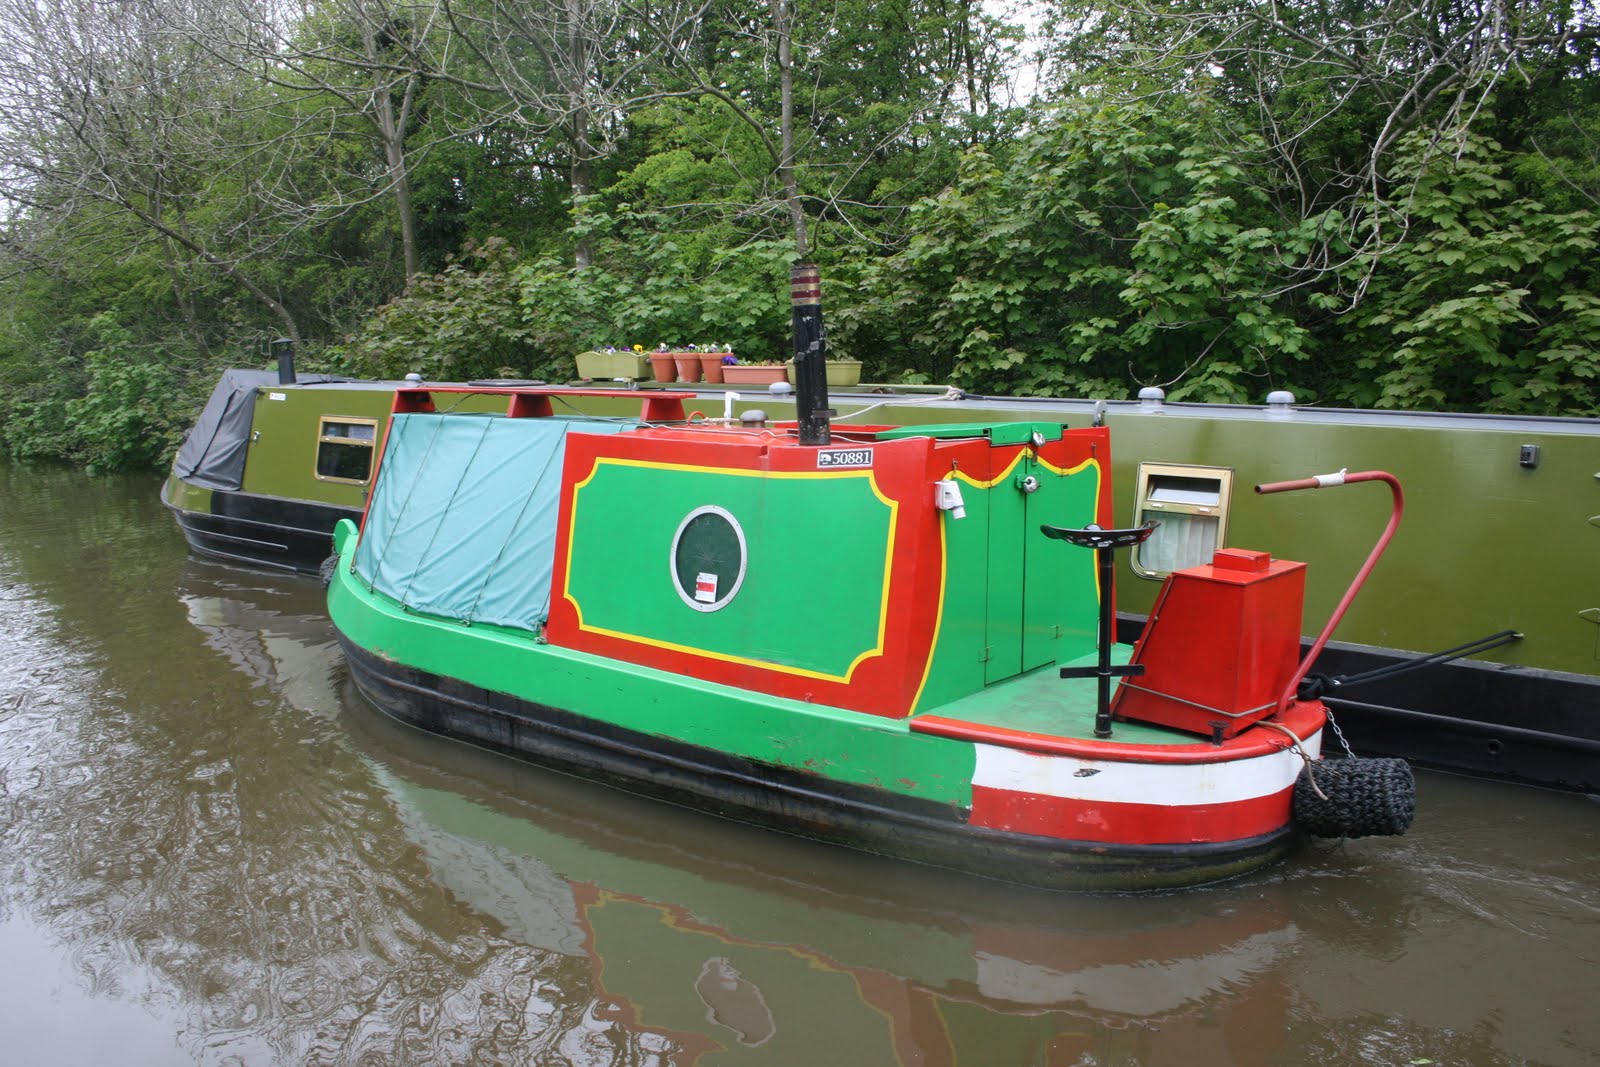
{"x":1024,"y":614}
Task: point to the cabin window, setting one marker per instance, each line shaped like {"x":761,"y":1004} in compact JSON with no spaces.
{"x":1191,"y":505}
{"x":344,"y":449}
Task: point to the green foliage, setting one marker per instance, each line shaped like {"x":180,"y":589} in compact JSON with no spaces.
{"x":464,"y":322}
{"x":1167,"y":221}
{"x":639,"y":296}
{"x":130,"y":417}
{"x":126,"y":414}
{"x":1118,"y":245}
{"x":1489,"y":304}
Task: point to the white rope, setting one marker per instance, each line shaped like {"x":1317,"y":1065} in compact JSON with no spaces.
{"x":1299,"y":751}
{"x":950,"y":394}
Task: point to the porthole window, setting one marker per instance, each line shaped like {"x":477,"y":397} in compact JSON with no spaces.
{"x":708,"y":558}
{"x":344,"y":449}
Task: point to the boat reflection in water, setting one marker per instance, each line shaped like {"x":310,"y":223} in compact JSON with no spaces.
{"x":620,"y":930}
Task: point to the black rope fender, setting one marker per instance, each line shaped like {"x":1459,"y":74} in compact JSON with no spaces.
{"x":1355,"y":797}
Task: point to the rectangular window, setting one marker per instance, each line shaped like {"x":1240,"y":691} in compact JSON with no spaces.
{"x":1190,"y":504}
{"x":344,"y":449}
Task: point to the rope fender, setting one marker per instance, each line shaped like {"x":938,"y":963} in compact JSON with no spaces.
{"x":1355,"y":797}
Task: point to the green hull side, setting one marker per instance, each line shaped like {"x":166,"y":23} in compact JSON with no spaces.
{"x":1484,"y":545}
{"x":846,"y":746}
{"x":282,"y":460}
{"x":180,"y":495}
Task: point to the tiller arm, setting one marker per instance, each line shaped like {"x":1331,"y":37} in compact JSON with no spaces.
{"x":1324,"y":481}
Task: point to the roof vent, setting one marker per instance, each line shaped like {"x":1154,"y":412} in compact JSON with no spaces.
{"x":1150,"y":398}
{"x":1280,"y":403}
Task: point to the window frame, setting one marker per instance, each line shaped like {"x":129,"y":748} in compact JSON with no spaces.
{"x":325,"y":438}
{"x":1147,"y":474}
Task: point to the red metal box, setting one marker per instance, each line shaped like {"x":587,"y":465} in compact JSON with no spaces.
{"x":1221,"y":643}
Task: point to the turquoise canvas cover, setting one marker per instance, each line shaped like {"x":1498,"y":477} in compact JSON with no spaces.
{"x":463,"y":518}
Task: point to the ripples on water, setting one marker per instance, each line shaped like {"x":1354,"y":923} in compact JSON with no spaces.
{"x":211,"y":850}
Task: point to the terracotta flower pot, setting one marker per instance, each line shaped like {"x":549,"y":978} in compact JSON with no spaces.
{"x":688,"y":366}
{"x":711,"y":366}
{"x":663,"y":367}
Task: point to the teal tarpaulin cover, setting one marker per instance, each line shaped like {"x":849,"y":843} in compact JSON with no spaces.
{"x":463,"y":518}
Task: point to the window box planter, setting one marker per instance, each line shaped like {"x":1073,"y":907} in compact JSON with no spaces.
{"x":610,"y":365}
{"x":840,"y":372}
{"x":752,"y":374}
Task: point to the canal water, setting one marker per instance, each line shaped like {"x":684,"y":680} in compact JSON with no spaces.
{"x":212,"y":851}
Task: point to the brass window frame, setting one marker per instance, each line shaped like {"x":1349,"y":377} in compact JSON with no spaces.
{"x":1143,"y":509}
{"x":325,"y":438}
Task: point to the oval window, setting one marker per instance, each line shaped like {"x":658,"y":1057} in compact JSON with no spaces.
{"x":708,"y":558}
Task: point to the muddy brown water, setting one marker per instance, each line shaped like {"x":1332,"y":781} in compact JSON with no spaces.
{"x":212,"y":851}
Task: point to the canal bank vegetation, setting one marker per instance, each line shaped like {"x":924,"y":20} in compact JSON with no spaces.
{"x":1379,"y":204}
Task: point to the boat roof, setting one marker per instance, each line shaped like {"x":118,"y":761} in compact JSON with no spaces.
{"x":1057,"y":408}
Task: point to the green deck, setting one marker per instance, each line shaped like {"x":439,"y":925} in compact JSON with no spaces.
{"x":1042,"y":702}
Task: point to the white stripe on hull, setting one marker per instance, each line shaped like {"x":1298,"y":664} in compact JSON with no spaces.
{"x":1114,"y":782}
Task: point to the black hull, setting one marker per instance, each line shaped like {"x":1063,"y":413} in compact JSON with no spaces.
{"x":285,"y":535}
{"x":1488,"y":720}
{"x":1513,"y":724}
{"x":783,"y":799}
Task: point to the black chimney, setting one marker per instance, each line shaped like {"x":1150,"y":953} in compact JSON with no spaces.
{"x":283,"y":351}
{"x":810,"y":355}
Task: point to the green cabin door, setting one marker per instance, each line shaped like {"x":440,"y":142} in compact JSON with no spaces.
{"x":1026,"y":594}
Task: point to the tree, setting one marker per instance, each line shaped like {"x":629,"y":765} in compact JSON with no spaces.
{"x":116,"y":130}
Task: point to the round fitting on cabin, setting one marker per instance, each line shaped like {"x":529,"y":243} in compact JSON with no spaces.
{"x":414,"y":378}
{"x":1150,"y":398}
{"x":753,"y":419}
{"x":780,"y":389}
{"x":1280,"y":402}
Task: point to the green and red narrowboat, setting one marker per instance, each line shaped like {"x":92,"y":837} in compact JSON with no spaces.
{"x":895,"y":640}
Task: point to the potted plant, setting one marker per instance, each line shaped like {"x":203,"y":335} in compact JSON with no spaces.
{"x":763,"y":373}
{"x":688,"y":360}
{"x":663,"y":365}
{"x":712,"y":359}
{"x":609,"y":362}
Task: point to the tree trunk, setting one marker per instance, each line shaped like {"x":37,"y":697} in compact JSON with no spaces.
{"x":786,"y":175}
{"x":578,"y":107}
{"x":392,"y":132}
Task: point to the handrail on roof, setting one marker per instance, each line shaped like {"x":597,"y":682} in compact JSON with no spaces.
{"x":533,"y":401}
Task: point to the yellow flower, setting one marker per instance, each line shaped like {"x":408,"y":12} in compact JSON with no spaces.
{"x":638,"y":348}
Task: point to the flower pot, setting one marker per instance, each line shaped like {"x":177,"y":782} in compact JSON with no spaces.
{"x":610,"y":365}
{"x":840,"y":372}
{"x":688,"y":366}
{"x":711,"y":366}
{"x":663,"y":367}
{"x":749,"y":374}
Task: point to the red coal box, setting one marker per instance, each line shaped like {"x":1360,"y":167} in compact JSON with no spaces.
{"x":1221,"y":643}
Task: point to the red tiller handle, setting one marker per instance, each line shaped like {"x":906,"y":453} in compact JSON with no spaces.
{"x":1325,"y":481}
